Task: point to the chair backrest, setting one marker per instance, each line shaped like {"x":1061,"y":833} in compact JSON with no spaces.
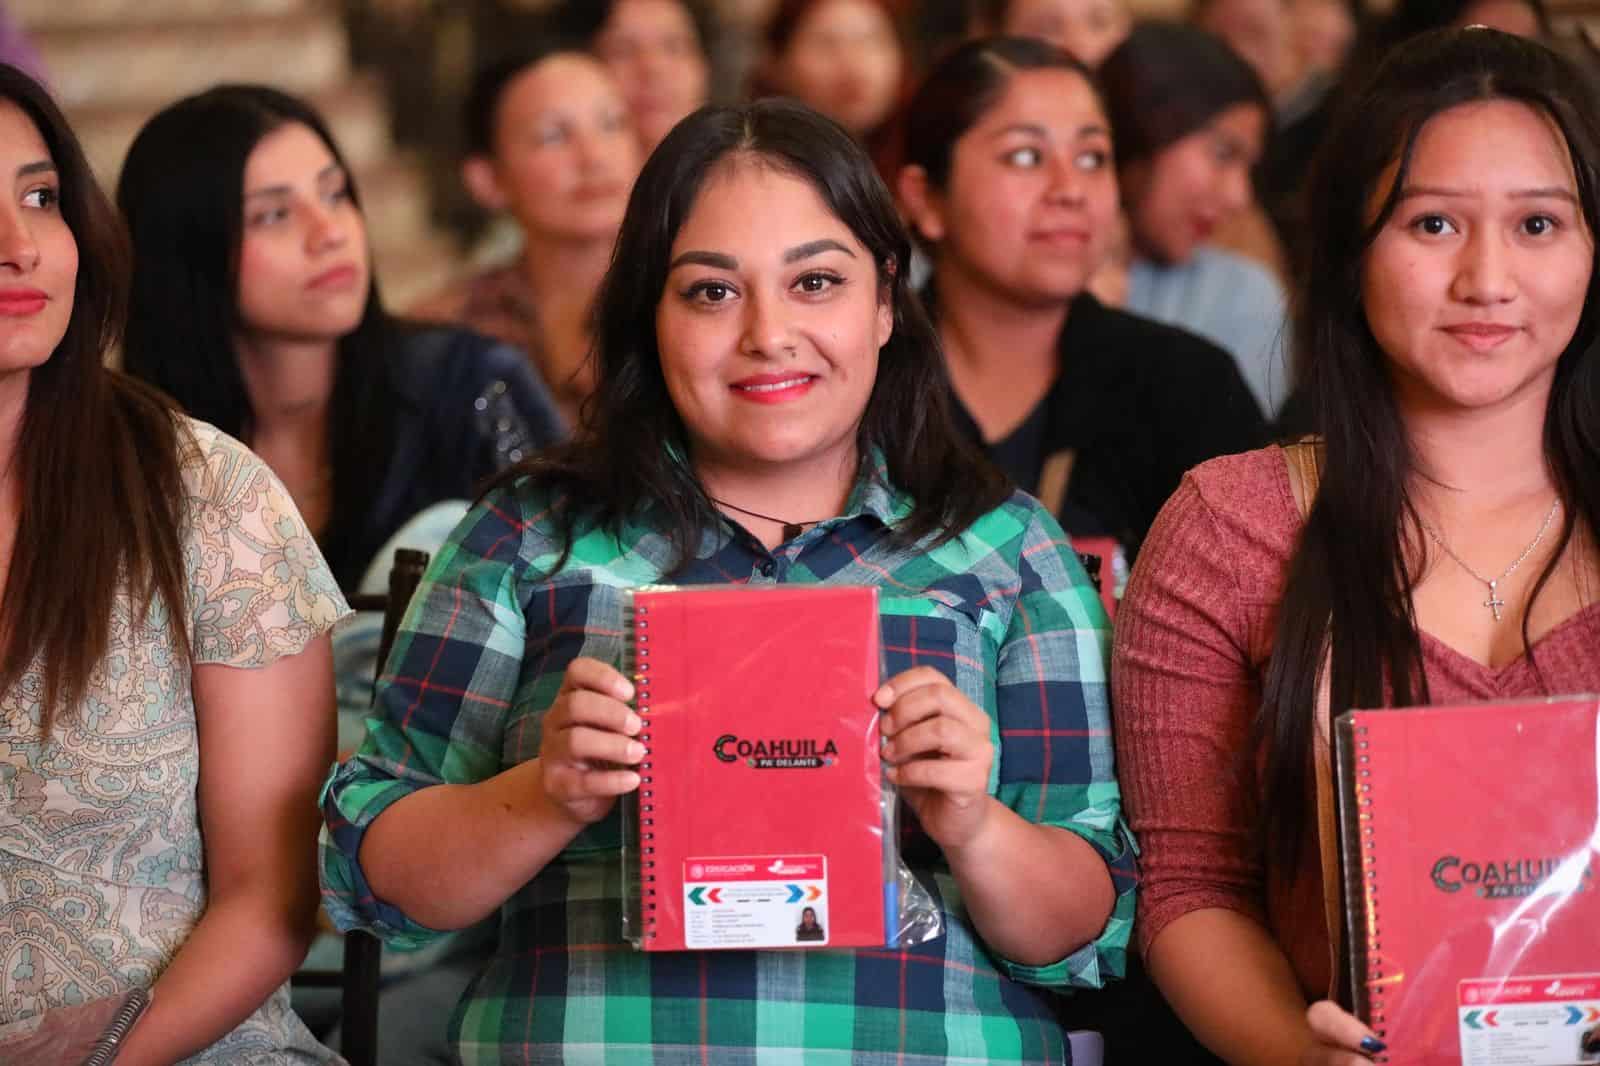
{"x":363,"y":952}
{"x":359,"y":973}
{"x":404,"y":577}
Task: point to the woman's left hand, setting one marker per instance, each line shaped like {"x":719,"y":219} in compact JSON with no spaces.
{"x":1341,"y":1038}
{"x":938,"y":752}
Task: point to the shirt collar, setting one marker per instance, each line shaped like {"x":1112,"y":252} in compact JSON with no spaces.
{"x":872,"y":496}
{"x":875,"y":495}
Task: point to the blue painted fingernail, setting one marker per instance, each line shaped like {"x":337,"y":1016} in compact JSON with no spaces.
{"x":1372,"y":1045}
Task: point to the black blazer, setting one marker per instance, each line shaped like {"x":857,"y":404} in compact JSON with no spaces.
{"x":1136,"y":404}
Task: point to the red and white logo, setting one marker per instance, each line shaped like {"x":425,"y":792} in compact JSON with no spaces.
{"x":757,"y":868}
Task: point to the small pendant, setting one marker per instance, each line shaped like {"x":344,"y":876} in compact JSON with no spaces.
{"x":791,"y":530}
{"x":1494,"y":602}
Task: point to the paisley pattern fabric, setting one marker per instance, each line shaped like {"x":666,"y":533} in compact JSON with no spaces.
{"x":102,"y":866}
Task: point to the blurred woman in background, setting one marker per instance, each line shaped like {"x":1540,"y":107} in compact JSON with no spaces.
{"x":844,"y":58}
{"x":551,"y":144}
{"x":658,"y":51}
{"x":1011,"y":188}
{"x":1087,"y":30}
{"x":254,"y":306}
{"x":1190,"y":119}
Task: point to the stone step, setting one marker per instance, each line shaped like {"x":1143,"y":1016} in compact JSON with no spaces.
{"x":113,"y":63}
{"x":148,"y":65}
{"x":355,"y":110}
{"x":40,"y":15}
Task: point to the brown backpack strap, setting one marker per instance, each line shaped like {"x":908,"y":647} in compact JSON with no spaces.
{"x":1304,"y":461}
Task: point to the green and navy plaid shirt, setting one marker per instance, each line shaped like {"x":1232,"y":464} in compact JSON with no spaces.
{"x":1005,"y":611}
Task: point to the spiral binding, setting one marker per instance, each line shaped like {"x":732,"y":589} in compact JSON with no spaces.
{"x":1377,"y":986}
{"x":639,"y":667}
{"x":106,"y":1048}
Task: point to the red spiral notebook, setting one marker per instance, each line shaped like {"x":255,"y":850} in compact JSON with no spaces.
{"x":761,"y":819}
{"x":1470,"y":837}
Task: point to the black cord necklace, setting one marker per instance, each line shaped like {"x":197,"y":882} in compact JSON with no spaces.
{"x":791,"y":530}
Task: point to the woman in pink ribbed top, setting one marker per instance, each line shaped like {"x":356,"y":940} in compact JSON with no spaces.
{"x":1448,"y":344}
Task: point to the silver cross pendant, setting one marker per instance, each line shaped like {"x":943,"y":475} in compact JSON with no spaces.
{"x":1494,"y":602}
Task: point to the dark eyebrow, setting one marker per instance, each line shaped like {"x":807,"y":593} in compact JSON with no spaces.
{"x":811,"y":248}
{"x":43,"y":166}
{"x":1088,"y":129}
{"x":715,"y":260}
{"x":1020,"y":127}
{"x":1552,"y":192}
{"x":283,"y":190}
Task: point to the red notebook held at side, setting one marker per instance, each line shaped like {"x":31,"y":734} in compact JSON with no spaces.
{"x":761,"y":820}
{"x":1471,"y":839}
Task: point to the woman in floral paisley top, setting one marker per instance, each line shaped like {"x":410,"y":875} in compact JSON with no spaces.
{"x":164,"y":661}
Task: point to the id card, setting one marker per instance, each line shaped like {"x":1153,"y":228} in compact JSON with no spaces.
{"x":1530,"y":1021}
{"x":763,"y":901}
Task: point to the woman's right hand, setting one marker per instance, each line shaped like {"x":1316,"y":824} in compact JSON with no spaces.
{"x":588,"y":742}
{"x":1341,"y":1038}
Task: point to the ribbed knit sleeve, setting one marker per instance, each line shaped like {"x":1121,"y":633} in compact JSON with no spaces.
{"x":1185,"y":690}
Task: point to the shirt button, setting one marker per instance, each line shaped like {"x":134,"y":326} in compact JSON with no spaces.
{"x":766,"y":567}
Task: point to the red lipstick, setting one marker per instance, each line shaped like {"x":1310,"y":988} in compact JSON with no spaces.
{"x":773,"y":388}
{"x":19,"y":301}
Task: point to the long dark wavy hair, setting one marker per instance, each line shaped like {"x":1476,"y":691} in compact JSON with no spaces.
{"x":182,"y":193}
{"x":98,"y":461}
{"x":632,"y":453}
{"x":1351,"y":576}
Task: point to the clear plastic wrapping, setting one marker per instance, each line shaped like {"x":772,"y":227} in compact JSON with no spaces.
{"x":87,"y":1034}
{"x":1470,"y":839}
{"x":763,"y":818}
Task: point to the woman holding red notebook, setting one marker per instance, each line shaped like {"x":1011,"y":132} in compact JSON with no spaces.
{"x":1442,"y":531}
{"x":771,"y":409}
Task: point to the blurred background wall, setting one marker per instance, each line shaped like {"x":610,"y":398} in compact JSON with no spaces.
{"x":388,"y":74}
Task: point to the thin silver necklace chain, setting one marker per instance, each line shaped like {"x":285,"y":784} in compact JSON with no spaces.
{"x":1494,"y":602}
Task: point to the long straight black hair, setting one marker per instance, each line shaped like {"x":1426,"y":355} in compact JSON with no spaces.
{"x":182,"y":193}
{"x":98,"y":461}
{"x":1351,"y":576}
{"x":632,"y":453}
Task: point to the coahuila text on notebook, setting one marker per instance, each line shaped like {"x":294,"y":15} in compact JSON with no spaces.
{"x":776,"y":754}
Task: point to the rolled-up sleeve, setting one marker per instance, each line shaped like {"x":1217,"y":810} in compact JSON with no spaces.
{"x":442,"y":706}
{"x":1052,"y":700}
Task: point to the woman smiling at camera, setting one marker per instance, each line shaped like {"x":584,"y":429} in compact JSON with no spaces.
{"x":166,"y":698}
{"x":1448,"y":345}
{"x":771,"y":409}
